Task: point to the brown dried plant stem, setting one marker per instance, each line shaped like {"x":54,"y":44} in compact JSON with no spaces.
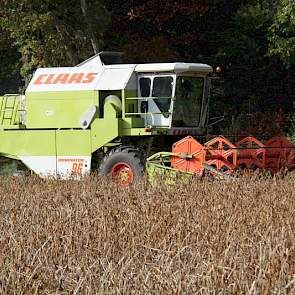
{"x":203,"y":237}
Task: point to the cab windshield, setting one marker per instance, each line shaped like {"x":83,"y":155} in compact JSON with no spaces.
{"x":188,"y":101}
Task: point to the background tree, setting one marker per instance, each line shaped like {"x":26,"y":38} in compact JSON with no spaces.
{"x":53,"y":32}
{"x":10,"y":79}
{"x":282,"y":32}
{"x":253,"y":41}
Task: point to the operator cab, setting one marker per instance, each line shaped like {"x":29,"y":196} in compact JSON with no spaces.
{"x":174,"y":95}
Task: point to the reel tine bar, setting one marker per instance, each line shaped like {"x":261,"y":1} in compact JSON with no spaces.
{"x":221,"y":154}
{"x":252,"y":153}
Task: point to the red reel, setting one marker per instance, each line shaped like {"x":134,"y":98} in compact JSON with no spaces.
{"x":189,"y":146}
{"x":221,"y":154}
{"x":280,"y":155}
{"x":251,"y":153}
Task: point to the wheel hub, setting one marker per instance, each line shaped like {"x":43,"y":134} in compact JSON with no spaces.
{"x":122,"y":174}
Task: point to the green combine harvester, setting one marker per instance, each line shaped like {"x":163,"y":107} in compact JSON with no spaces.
{"x":116,"y":119}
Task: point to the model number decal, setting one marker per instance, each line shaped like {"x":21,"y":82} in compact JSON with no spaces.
{"x":77,"y":169}
{"x":75,"y":164}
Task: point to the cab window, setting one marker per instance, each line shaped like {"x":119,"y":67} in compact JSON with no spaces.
{"x":162,"y":91}
{"x":145,"y":87}
{"x":187,"y":108}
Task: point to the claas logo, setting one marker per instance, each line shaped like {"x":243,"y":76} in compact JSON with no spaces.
{"x":75,"y":78}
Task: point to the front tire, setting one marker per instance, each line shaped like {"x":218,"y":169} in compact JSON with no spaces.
{"x":124,"y":165}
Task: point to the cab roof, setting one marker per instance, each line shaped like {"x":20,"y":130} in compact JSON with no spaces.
{"x":177,"y":67}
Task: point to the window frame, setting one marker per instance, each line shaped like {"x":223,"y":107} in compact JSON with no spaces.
{"x":151,"y":76}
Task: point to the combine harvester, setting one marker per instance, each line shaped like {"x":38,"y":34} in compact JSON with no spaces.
{"x":123,"y":119}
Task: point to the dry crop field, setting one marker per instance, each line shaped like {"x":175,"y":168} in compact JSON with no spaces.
{"x":90,"y":237}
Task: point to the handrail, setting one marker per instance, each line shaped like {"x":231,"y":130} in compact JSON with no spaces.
{"x":147,"y":98}
{"x":12,"y":110}
{"x":148,"y":113}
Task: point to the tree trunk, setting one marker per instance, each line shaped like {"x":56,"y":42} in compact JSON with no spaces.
{"x":70,"y":51}
{"x":90,"y":31}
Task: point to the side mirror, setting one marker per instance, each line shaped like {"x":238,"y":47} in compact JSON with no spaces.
{"x":144,"y":107}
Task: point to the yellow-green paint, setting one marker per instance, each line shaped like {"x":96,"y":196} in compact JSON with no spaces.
{"x":14,"y":143}
{"x":73,"y":142}
{"x":105,"y":130}
{"x":131,"y":122}
{"x":58,"y":109}
{"x":45,"y":143}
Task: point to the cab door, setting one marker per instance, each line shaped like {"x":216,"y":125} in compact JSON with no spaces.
{"x":156,"y":103}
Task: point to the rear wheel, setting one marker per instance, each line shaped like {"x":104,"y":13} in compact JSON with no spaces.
{"x":124,"y":165}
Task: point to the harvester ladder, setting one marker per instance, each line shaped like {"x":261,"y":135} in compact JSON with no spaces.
{"x":8,"y":109}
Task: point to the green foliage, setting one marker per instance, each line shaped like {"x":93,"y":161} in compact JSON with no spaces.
{"x":282,"y":32}
{"x":51,"y":32}
{"x":253,"y":82}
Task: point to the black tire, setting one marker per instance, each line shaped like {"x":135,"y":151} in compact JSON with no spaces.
{"x":131,"y":157}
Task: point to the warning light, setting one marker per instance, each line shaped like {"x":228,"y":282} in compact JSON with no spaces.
{"x":218,"y":70}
